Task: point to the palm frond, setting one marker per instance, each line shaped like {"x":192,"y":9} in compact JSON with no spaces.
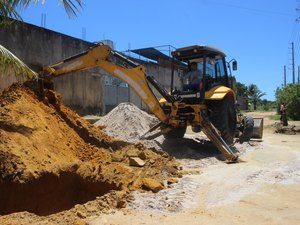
{"x":8,"y":8}
{"x":71,"y":6}
{"x":8,"y":12}
{"x":9,"y":63}
{"x":21,"y":3}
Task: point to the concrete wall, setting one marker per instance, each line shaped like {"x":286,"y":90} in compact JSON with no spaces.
{"x":38,"y":47}
{"x":82,"y":92}
{"x":114,"y":95}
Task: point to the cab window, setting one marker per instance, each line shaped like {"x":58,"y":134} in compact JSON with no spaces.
{"x":215,"y":70}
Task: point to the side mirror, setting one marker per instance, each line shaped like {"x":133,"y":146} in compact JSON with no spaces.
{"x":234,"y":65}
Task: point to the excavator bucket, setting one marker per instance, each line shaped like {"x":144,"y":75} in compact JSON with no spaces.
{"x":258,"y":128}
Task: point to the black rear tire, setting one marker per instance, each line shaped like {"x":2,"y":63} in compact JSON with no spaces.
{"x":223,"y":117}
{"x":248,"y":124}
{"x":176,"y":132}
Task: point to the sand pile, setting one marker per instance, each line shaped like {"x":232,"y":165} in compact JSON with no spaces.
{"x":51,"y":160}
{"x":127,"y":122}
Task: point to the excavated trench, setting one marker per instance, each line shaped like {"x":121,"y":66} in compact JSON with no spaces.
{"x":44,"y":134}
{"x":50,"y":193}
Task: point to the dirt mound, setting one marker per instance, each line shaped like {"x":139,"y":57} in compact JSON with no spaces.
{"x":291,"y":129}
{"x":52,"y":160}
{"x":127,"y":122}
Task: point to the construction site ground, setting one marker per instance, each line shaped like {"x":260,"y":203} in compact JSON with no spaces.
{"x":56,"y":168}
{"x":263,"y":189}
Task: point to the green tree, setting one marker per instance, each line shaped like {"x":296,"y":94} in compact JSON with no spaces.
{"x":254,"y":95}
{"x":266,"y":105}
{"x":241,"y":89}
{"x":290,"y":95}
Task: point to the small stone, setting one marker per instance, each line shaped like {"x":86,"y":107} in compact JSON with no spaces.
{"x":121,"y":203}
{"x":92,"y":208}
{"x":142,"y":155}
{"x":132,"y":153}
{"x":79,"y":222}
{"x":81,"y":214}
{"x":172,"y":180}
{"x":151,"y":161}
{"x":136,"y":161}
{"x":152,"y":184}
{"x":116,"y":158}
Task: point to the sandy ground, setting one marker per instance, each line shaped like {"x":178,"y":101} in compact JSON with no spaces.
{"x":264,"y":189}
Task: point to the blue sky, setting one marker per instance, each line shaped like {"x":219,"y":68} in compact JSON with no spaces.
{"x":257,"y":33}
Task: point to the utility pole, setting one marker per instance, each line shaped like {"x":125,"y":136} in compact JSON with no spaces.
{"x":284,"y":76}
{"x":293,"y":62}
{"x":298,"y":74}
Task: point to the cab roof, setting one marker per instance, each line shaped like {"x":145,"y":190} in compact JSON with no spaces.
{"x":197,"y":51}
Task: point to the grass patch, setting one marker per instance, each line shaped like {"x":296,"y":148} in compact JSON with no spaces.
{"x":275,"y":117}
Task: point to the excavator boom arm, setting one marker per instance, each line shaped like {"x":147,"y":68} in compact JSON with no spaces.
{"x":98,"y":56}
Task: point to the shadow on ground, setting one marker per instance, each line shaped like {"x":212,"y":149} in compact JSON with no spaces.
{"x":191,"y":148}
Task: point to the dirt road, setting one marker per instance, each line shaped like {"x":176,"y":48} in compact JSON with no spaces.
{"x":265,"y":189}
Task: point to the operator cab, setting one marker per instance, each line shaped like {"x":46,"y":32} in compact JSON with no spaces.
{"x":211,"y":65}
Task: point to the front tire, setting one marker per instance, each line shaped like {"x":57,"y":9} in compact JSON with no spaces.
{"x":248,"y":124}
{"x":223,"y":117}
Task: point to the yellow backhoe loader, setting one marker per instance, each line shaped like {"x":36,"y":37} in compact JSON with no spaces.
{"x":210,"y":109}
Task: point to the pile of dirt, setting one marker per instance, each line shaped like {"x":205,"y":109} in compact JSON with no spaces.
{"x":51,"y":160}
{"x":290,"y":130}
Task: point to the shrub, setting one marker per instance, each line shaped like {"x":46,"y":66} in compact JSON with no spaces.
{"x":291,"y":96}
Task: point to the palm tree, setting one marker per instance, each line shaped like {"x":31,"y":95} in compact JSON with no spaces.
{"x":254,"y":94}
{"x":241,"y":89}
{"x":8,"y":10}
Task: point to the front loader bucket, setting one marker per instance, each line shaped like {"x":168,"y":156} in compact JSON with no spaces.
{"x":258,"y":128}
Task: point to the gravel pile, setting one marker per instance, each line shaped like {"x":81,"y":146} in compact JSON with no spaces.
{"x":127,"y":122}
